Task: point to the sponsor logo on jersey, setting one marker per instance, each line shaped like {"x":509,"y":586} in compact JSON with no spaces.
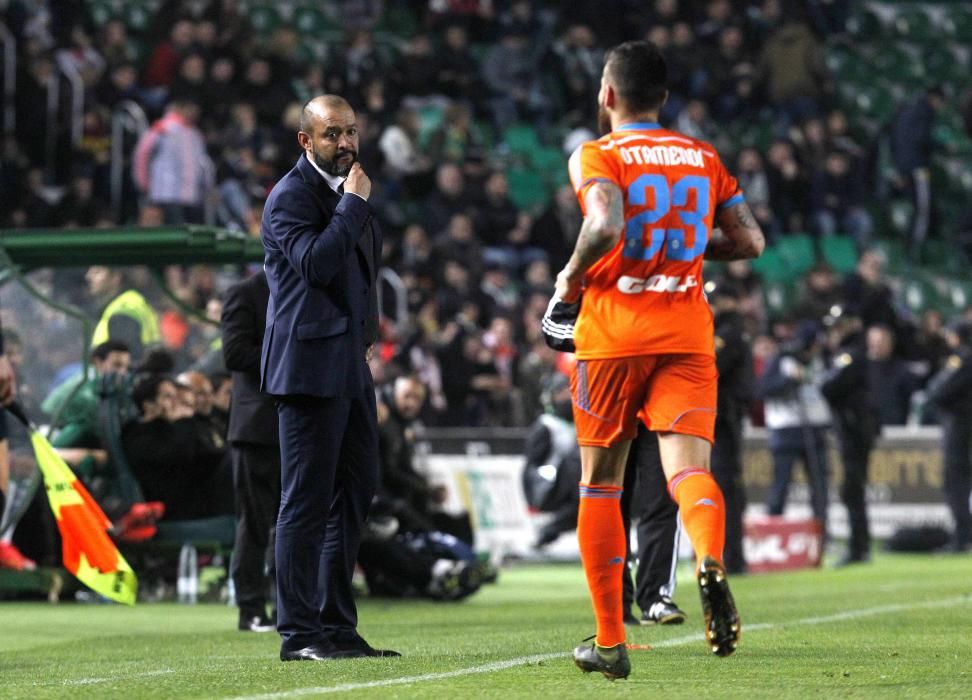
{"x":656,"y":283}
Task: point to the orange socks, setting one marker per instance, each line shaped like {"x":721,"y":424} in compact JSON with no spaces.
{"x":600,"y":533}
{"x":703,"y":511}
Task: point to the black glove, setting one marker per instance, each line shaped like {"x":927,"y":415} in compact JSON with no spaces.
{"x":558,"y":324}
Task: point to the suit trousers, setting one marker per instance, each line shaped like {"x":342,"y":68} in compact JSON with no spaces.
{"x":855,"y":451}
{"x":646,"y":501}
{"x":328,"y":476}
{"x":727,"y":471}
{"x":256,"y":478}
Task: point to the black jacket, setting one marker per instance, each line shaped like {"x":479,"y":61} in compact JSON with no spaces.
{"x":253,"y":416}
{"x":846,"y":388}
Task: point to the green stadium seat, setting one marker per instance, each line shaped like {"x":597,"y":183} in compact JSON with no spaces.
{"x":797,"y":252}
{"x":548,"y":160}
{"x":312,"y":50}
{"x":840,"y":252}
{"x":521,"y":139}
{"x":527,"y":189}
{"x":866,"y":25}
{"x":894,"y":253}
{"x":778,"y":296}
{"x":958,"y":295}
{"x":899,"y":213}
{"x":918,"y":294}
{"x":398,"y":21}
{"x":914,"y":24}
{"x":771,"y":267}
{"x":958,"y":23}
{"x":101,"y":11}
{"x":137,"y":16}
{"x":310,"y":20}
{"x":264,"y":19}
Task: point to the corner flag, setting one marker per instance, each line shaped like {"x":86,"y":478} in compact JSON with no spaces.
{"x":87,"y":551}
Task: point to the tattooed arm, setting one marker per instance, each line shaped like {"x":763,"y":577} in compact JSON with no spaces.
{"x":738,"y":236}
{"x":603,"y":223}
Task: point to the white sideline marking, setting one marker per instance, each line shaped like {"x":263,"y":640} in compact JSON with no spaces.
{"x":674,"y":642}
{"x":126,"y":677}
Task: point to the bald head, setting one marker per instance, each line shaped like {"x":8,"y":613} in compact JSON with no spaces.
{"x":329,"y":134}
{"x":320,"y":107}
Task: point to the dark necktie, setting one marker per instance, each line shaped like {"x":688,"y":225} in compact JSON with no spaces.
{"x":340,"y":190}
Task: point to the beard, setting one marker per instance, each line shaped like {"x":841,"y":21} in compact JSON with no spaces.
{"x":334,"y":166}
{"x":603,"y":120}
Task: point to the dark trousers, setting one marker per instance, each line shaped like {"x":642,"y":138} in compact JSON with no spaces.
{"x":328,"y":475}
{"x":855,"y":451}
{"x":646,"y":501}
{"x":957,"y":439}
{"x":787,"y":445}
{"x":256,"y":480}
{"x":727,"y":471}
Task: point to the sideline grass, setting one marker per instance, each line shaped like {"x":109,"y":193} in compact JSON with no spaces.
{"x":897,"y":628}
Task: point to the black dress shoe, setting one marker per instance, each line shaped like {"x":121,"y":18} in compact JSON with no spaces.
{"x":256,"y":623}
{"x":321,"y":651}
{"x":358,"y":648}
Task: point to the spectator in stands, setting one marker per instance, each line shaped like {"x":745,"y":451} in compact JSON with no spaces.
{"x":891,"y":382}
{"x":788,"y":186}
{"x":75,"y":403}
{"x":797,"y":418}
{"x":125,"y":315}
{"x":754,"y":181}
{"x":911,"y":150}
{"x":456,"y":139}
{"x":555,"y":230}
{"x":169,"y":460}
{"x":405,"y":160}
{"x":694,"y":121}
{"x":837,"y":200}
{"x":950,"y":391}
{"x":792,"y":70}
{"x":448,"y":198}
{"x":820,"y":296}
{"x":511,"y":71}
{"x":191,"y":83}
{"x":731,"y":77}
{"x":579,"y":64}
{"x":403,"y":492}
{"x":417,"y":72}
{"x":867,"y":294}
{"x":171,"y":166}
{"x":162,"y":65}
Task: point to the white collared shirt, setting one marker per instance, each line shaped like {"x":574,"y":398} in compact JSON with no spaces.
{"x":333,"y":181}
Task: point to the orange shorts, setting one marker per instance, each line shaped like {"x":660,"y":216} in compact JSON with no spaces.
{"x":669,"y":393}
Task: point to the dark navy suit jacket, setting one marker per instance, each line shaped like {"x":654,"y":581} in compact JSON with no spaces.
{"x":322,"y":252}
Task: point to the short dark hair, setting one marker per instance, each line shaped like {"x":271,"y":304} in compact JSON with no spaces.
{"x":147,"y":389}
{"x":102,"y":350}
{"x":638,"y":72}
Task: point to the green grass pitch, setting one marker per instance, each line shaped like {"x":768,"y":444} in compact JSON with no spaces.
{"x":898,"y":628}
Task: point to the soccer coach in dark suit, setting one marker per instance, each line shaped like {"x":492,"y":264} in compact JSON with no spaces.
{"x":322,"y":249}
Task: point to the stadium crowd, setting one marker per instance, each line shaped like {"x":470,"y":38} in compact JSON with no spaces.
{"x":444,"y":92}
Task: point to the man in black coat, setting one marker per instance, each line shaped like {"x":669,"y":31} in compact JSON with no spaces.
{"x":951,"y":392}
{"x":322,"y":248}
{"x":734,"y":360}
{"x":254,"y":448}
{"x":846,"y":386}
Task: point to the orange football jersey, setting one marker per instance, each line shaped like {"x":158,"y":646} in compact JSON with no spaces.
{"x":645,"y":297}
